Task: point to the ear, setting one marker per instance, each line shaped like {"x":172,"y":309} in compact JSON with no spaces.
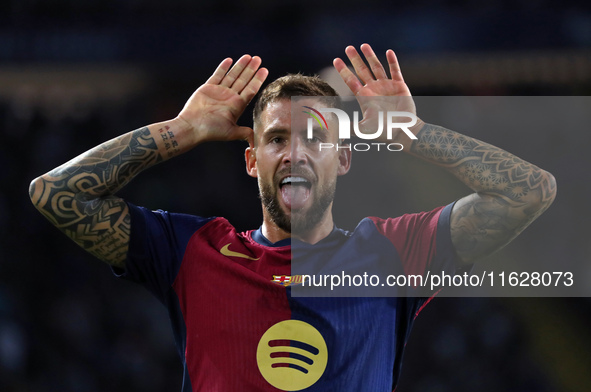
{"x":251,"y":159}
{"x":345,"y":156}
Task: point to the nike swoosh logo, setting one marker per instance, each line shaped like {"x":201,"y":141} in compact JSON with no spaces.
{"x":227,"y":252}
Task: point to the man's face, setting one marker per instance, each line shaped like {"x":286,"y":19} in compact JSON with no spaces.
{"x":297,"y":181}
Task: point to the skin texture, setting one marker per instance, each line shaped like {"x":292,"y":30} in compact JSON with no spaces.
{"x":79,"y":196}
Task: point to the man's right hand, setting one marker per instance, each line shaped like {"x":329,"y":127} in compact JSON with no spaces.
{"x":214,"y":108}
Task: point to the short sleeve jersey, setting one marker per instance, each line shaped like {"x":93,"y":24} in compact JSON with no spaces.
{"x":237,"y":326}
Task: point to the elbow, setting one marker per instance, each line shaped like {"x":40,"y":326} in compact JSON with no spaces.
{"x":548,"y":191}
{"x":36,"y":190}
{"x":552,"y":188}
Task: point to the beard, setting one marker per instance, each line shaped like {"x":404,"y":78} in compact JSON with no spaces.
{"x":300,"y":222}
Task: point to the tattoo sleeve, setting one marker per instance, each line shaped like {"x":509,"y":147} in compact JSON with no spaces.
{"x":78,"y":197}
{"x":510,"y":192}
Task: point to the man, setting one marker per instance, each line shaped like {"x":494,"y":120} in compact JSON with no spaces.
{"x":236,"y":325}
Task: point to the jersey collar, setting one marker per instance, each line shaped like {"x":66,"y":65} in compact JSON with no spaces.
{"x":259,"y":238}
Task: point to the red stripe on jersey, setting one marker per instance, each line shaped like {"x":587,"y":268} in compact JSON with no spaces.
{"x":228,"y":302}
{"x":414,"y":237}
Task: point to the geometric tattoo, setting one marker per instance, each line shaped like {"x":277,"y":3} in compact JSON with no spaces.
{"x":78,"y":197}
{"x":510,"y":192}
{"x":480,"y":164}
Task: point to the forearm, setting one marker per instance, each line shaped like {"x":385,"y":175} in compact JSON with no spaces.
{"x":78,"y":196}
{"x":483,"y":167}
{"x":106,"y":168}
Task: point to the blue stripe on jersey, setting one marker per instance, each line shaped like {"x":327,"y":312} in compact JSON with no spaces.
{"x":156,"y":266}
{"x":359,"y":334}
{"x":367,"y":323}
{"x":377,"y":327}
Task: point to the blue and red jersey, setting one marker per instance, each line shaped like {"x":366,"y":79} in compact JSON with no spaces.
{"x":237,"y":325}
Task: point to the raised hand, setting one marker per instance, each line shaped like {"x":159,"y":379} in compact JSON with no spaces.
{"x":372,"y":81}
{"x":375,"y":91}
{"x":214,"y":108}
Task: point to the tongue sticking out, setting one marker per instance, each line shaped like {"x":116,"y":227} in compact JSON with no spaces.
{"x":294,"y":196}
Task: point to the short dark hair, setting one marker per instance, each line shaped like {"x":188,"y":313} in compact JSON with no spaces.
{"x":294,"y":85}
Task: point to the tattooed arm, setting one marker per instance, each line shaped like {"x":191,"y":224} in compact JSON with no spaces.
{"x":509,"y":192}
{"x":79,"y":198}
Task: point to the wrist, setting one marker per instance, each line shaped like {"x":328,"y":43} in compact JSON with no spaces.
{"x":415,"y":129}
{"x":186,"y":132}
{"x":404,"y":138}
{"x":174,"y":137}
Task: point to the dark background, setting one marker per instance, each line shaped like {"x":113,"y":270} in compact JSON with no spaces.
{"x":74,"y":74}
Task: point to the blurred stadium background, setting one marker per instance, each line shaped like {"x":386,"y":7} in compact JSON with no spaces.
{"x":76,"y":73}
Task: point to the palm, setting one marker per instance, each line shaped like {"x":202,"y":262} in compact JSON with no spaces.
{"x":384,"y":88}
{"x":213,"y":110}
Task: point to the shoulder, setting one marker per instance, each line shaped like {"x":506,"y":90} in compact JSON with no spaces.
{"x":141,"y":216}
{"x":404,"y":225}
{"x":411,"y":222}
{"x":159,"y":230}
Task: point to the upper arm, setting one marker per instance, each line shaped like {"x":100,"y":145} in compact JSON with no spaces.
{"x":99,"y":225}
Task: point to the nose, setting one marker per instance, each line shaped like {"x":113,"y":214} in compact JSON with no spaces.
{"x":297,"y":154}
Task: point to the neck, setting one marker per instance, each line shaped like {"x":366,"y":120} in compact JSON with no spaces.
{"x":274,"y":233}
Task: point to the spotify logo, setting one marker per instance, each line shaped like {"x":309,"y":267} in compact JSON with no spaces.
{"x":292,"y":355}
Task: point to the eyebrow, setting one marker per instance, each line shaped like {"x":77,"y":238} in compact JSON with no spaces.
{"x":275,"y":131}
{"x":282,"y":131}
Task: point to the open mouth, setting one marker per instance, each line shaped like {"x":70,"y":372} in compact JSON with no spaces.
{"x":295,"y":191}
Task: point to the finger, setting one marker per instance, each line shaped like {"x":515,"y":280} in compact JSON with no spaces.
{"x":348,"y":77}
{"x":244,"y":133}
{"x":375,"y":64}
{"x":235,"y":71}
{"x":250,"y":137}
{"x":363,"y":72}
{"x":220,"y":71}
{"x":247,"y":74}
{"x":395,"y":72}
{"x":254,"y":85}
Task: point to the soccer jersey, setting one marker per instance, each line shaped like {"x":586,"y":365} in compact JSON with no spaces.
{"x":237,"y":325}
